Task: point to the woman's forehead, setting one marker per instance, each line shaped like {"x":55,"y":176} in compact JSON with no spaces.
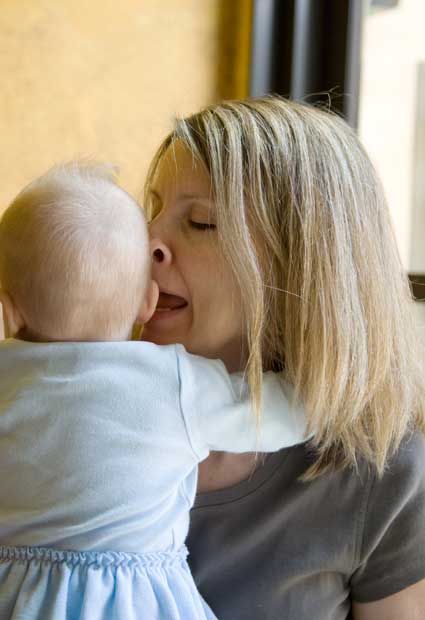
{"x":180,"y":171}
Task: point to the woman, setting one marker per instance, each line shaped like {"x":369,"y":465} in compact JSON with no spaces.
{"x":274,"y":249}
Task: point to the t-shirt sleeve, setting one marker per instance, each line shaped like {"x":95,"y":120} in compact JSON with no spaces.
{"x":392,"y":538}
{"x":218,"y":413}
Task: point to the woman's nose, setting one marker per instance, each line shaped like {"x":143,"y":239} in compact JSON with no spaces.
{"x":160,"y":252}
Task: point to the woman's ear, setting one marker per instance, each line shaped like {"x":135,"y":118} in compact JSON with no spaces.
{"x":12,"y":318}
{"x":149,"y":303}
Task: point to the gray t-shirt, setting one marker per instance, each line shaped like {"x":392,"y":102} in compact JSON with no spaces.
{"x":273,"y":548}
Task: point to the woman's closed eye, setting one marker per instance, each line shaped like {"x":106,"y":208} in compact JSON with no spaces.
{"x":202,"y":225}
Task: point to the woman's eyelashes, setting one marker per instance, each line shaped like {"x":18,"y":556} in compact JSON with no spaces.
{"x":201,"y":218}
{"x":202,"y":225}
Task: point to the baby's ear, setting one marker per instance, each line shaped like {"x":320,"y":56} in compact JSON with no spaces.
{"x":149,"y":303}
{"x":12,"y":317}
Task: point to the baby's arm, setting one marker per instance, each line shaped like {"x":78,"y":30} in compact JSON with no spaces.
{"x":218,"y":411}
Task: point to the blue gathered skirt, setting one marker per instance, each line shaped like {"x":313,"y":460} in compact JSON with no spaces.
{"x":38,"y":583}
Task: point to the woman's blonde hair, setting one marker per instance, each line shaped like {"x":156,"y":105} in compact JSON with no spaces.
{"x":303,"y":221}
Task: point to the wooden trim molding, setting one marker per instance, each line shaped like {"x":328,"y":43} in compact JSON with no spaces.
{"x":417,"y":283}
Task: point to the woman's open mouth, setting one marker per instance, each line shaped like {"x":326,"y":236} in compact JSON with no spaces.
{"x":168,"y":306}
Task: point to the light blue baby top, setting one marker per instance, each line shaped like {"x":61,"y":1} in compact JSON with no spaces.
{"x":99,"y":447}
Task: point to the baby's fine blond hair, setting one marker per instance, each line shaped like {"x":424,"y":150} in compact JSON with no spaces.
{"x":74,"y":254}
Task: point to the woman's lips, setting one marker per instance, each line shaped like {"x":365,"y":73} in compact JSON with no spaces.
{"x":168,"y":306}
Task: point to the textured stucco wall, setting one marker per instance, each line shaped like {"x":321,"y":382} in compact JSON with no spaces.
{"x":104,"y":78}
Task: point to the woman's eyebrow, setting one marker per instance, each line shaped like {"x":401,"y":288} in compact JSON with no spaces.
{"x":184,"y":196}
{"x":194,"y":196}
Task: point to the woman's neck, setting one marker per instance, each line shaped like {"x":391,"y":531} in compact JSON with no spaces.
{"x":223,"y":469}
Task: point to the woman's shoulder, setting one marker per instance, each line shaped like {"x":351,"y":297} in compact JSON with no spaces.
{"x":404,"y":473}
{"x":403,"y":481}
{"x":391,"y":536}
{"x":280,"y":475}
{"x":409,"y":460}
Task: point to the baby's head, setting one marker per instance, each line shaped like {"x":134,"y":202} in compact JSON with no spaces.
{"x":74,"y":258}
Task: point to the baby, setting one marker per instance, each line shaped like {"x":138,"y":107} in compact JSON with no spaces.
{"x":100,"y":437}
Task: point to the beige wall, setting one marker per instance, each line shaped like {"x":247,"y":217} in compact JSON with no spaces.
{"x":104,"y":78}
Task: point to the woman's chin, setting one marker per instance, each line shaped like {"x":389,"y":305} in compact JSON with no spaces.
{"x":166,"y":328}
{"x":163,"y":339}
